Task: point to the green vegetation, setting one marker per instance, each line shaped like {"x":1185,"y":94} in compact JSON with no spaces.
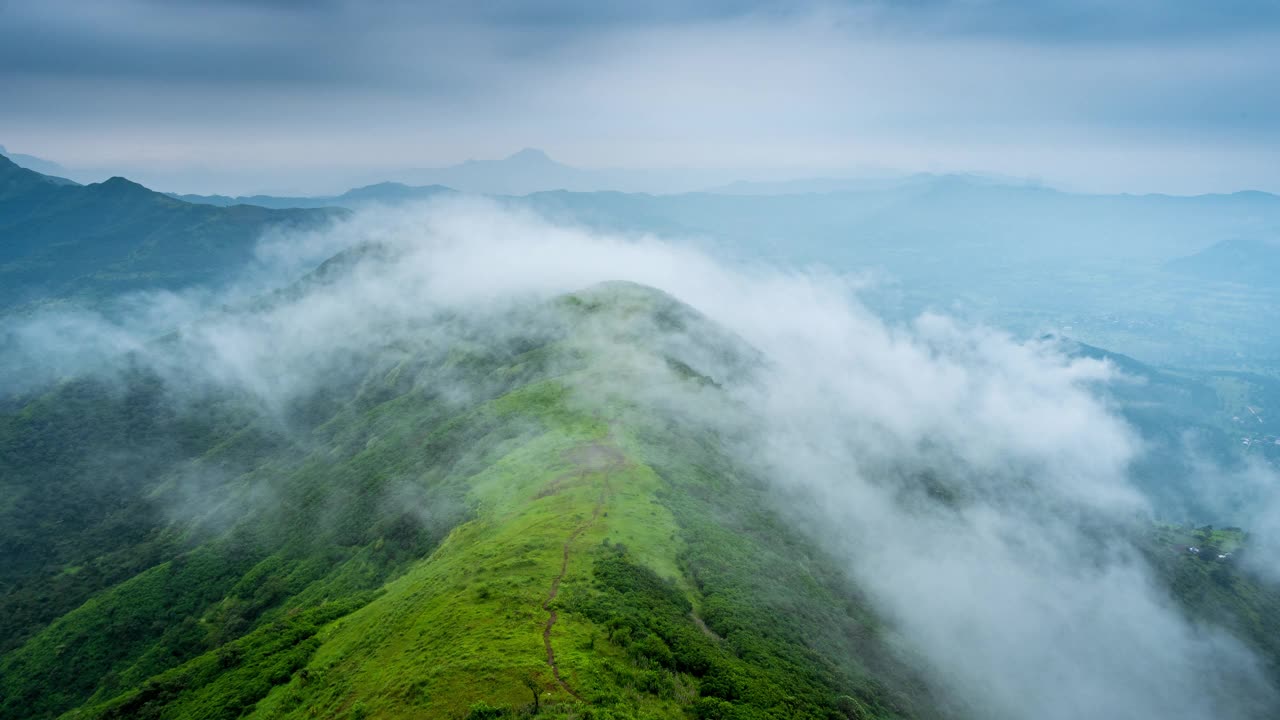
{"x":389,"y":550}
{"x":225,"y":683}
{"x":91,"y":242}
{"x":445,"y":530}
{"x":1209,"y":571}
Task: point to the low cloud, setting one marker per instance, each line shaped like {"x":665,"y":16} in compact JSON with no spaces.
{"x":1250,"y":493}
{"x":970,"y":481}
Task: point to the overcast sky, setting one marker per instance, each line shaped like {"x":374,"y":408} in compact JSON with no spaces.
{"x":1142,"y":95}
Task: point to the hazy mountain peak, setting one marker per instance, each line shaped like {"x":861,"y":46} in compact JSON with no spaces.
{"x":35,"y":164}
{"x":527,"y":158}
{"x":18,"y":178}
{"x":121,"y":185}
{"x":531,"y":156}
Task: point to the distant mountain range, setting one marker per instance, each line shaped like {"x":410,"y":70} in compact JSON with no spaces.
{"x":1011,"y":253}
{"x":532,"y":170}
{"x":384,"y":193}
{"x":1244,"y":260}
{"x":524,"y":172}
{"x":62,"y":240}
{"x":882,"y":181}
{"x":40,"y":165}
{"x":944,"y":236}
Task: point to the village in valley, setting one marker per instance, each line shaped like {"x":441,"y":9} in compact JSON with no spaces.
{"x":1256,"y":436}
{"x":1206,"y":543}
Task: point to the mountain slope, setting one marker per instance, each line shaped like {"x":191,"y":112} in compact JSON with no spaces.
{"x":395,"y":550}
{"x":481,"y":514}
{"x":386,"y":193}
{"x":526,"y":171}
{"x":1246,"y":260}
{"x":63,"y":240}
{"x":46,"y":167}
{"x":523,"y":172}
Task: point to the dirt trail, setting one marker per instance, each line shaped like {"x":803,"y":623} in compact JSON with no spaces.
{"x":594,"y":458}
{"x":702,"y":625}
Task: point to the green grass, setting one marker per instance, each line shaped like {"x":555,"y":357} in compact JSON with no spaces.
{"x":475,"y":606}
{"x":1225,"y":592}
{"x":390,"y":556}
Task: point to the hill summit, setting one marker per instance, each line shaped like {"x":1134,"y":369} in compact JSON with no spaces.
{"x":426,"y":481}
{"x":444,"y":526}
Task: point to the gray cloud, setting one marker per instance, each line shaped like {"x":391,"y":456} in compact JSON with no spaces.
{"x":255,"y":96}
{"x":1089,"y":21}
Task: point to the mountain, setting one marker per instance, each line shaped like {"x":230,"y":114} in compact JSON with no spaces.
{"x":62,"y":240}
{"x":1246,"y":260}
{"x":385,"y":193}
{"x":526,"y":171}
{"x":930,"y":214}
{"x":373,"y":494}
{"x":452,"y":529}
{"x":1187,"y":418}
{"x":878,"y":181}
{"x":440,"y":528}
{"x":40,"y":165}
{"x":531,"y":170}
{"x":1106,"y":268}
{"x":1026,"y":258}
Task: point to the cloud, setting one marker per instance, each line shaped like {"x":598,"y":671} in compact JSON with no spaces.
{"x":975,"y":486}
{"x":1250,"y":492}
{"x":1136,"y":98}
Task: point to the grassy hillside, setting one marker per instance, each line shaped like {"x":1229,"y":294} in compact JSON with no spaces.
{"x":63,"y":240}
{"x":469,"y":519}
{"x":1207,"y":569}
{"x":384,"y":549}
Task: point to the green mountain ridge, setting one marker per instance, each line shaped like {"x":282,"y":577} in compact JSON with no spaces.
{"x":396,"y":553}
{"x":472,"y":513}
{"x":458,"y":524}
